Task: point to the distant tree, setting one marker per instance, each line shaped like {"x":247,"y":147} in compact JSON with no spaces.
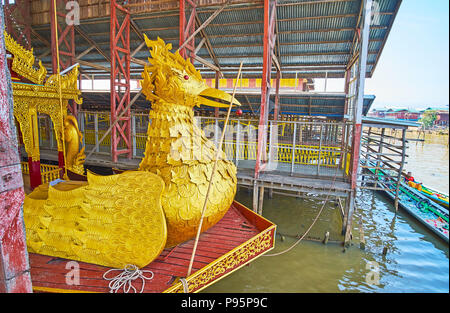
{"x":428,"y":119}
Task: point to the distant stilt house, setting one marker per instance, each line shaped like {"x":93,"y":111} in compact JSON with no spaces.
{"x":413,"y":115}
{"x":442,"y":118}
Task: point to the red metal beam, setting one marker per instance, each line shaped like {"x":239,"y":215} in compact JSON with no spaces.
{"x":277,"y":96}
{"x":14,"y":265}
{"x":187,"y":27}
{"x":120,"y":81}
{"x":268,"y":47}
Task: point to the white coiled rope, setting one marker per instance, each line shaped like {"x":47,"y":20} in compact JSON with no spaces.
{"x":125,"y":279}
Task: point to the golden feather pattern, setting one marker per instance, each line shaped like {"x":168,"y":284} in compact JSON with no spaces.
{"x":112,"y":220}
{"x":179,"y":151}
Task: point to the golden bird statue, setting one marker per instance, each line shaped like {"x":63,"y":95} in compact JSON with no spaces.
{"x":129,"y":218}
{"x":73,"y":139}
{"x":177,"y":150}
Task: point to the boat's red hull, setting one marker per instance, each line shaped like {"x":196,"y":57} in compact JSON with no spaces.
{"x":238,"y":238}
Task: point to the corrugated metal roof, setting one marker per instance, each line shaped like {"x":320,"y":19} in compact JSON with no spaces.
{"x":390,"y":122}
{"x":309,"y":104}
{"x":313,"y":33}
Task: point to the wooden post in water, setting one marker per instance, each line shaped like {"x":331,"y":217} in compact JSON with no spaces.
{"x":362,"y":240}
{"x":399,"y":176}
{"x":270,"y":193}
{"x":325,"y":239}
{"x":255,"y":196}
{"x":261,"y":200}
{"x":380,"y":151}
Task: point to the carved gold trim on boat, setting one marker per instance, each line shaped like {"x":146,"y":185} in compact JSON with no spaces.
{"x":231,"y":261}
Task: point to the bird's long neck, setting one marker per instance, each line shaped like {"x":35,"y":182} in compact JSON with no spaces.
{"x":170,"y":126}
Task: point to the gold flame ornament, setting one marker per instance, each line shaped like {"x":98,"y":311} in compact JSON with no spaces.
{"x":177,"y":150}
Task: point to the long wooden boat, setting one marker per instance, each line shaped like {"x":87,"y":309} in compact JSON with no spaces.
{"x":435,"y":195}
{"x":429,"y":213}
{"x":238,"y":238}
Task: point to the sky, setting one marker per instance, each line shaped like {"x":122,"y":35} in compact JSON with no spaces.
{"x":413,"y":68}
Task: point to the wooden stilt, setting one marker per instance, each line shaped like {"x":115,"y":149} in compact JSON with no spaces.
{"x":362,"y":240}
{"x":255,"y":197}
{"x":261,"y":200}
{"x":348,"y":226}
{"x":325,"y":239}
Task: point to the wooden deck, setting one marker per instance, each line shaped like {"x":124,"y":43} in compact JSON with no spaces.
{"x":304,"y":180}
{"x":237,"y":239}
{"x":295,"y":183}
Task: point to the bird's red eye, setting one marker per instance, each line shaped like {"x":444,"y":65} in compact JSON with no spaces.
{"x":186,"y":77}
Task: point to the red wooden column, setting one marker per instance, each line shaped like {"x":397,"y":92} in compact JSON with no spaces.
{"x":268,"y":46}
{"x":18,"y":21}
{"x":187,"y":27}
{"x":14,"y":265}
{"x":120,"y":81}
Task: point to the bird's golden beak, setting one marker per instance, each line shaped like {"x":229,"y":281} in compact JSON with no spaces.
{"x":216,"y":98}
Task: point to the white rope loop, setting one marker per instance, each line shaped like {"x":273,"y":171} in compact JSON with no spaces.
{"x":125,"y":279}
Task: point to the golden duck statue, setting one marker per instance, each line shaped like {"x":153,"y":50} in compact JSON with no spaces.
{"x":129,"y":218}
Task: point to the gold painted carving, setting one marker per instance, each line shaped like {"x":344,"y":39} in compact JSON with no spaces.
{"x":234,"y":259}
{"x":110,"y":220}
{"x":177,"y":150}
{"x":73,"y":138}
{"x":24,"y":60}
{"x":30,"y":99}
{"x":130,"y":217}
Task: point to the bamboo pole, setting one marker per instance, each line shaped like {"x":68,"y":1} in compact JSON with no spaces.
{"x":59,"y":89}
{"x":212,"y":173}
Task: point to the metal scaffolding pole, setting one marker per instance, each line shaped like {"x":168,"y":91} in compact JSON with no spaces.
{"x":358,"y":108}
{"x":187,"y":28}
{"x":120,"y":81}
{"x":268,"y":47}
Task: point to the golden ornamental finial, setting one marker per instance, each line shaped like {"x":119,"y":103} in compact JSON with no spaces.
{"x":23,"y":62}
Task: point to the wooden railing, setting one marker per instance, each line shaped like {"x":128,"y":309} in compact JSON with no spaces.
{"x":316,"y":143}
{"x":48,"y":172}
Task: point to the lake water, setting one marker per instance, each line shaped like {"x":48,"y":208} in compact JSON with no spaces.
{"x":416,"y":260}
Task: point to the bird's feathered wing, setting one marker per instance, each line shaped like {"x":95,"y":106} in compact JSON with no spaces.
{"x":112,"y":221}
